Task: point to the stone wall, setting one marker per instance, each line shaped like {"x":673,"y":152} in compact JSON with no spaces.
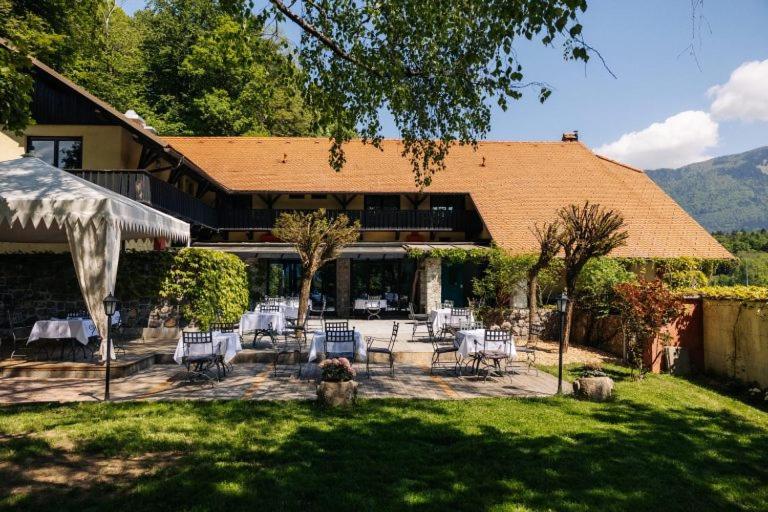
{"x":343,"y":282}
{"x":430,"y":284}
{"x":546,"y":317}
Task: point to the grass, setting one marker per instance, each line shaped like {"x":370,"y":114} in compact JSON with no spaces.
{"x":663,"y":443}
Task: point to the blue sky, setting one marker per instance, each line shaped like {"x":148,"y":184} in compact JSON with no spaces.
{"x":644,"y":44}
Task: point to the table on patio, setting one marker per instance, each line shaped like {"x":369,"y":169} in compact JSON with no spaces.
{"x":265,"y":320}
{"x":441,"y":317}
{"x":226,"y":344}
{"x":470,"y":341}
{"x":362,"y":304}
{"x":318,"y":346}
{"x":80,"y":329}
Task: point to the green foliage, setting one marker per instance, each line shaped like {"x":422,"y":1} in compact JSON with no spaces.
{"x":504,"y":276}
{"x":743,"y":241}
{"x":452,"y":255}
{"x":738,"y":292}
{"x":208,"y":285}
{"x":595,"y":285}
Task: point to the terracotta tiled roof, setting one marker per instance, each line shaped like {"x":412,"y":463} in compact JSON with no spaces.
{"x":513,"y":184}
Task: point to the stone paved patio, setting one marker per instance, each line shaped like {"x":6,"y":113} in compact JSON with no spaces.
{"x":257,"y":382}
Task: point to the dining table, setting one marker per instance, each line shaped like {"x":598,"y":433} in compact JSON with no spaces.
{"x":472,"y":340}
{"x":226,"y":344}
{"x":318,"y":346}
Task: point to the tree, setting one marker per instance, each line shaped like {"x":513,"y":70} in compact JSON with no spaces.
{"x":646,"y":307}
{"x":548,"y":237}
{"x":435,"y":66}
{"x":317,"y":239}
{"x":588,"y":231}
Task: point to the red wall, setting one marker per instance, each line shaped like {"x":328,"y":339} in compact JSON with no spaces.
{"x":687,"y":332}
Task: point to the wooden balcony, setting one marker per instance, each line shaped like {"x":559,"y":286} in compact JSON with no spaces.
{"x":370,"y":220}
{"x":143,"y":187}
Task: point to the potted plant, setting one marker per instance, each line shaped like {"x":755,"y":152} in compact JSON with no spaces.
{"x":337,"y":386}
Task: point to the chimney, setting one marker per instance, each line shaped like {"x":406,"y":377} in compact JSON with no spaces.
{"x":571,"y":136}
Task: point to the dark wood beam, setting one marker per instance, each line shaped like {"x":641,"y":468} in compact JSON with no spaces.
{"x":202,"y":188}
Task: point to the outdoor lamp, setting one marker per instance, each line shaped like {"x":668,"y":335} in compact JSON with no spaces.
{"x":562,"y":307}
{"x":562,"y":302}
{"x":110,"y":305}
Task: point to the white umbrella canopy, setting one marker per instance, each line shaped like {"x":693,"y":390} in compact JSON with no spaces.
{"x":41,"y":203}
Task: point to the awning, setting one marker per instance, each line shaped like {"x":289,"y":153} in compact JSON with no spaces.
{"x":360,"y":250}
{"x":40,"y":203}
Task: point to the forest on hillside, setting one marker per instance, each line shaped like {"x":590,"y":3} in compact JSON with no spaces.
{"x":751,"y":248}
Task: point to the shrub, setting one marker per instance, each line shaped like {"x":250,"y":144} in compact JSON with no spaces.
{"x":747,"y":293}
{"x":645,"y":308}
{"x":336,"y":370}
{"x":208,"y":285}
{"x":595,"y":285}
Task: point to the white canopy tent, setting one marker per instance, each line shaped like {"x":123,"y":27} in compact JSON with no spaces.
{"x":41,"y":203}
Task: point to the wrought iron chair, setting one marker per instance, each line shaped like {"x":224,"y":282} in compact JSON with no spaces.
{"x":458,"y":316}
{"x":269,"y":308}
{"x":19,"y":336}
{"x":439,"y":349}
{"x":447,"y":304}
{"x":78,"y":314}
{"x":388,"y":350}
{"x":340,"y":343}
{"x":225,"y":327}
{"x":315,"y":316}
{"x":339,"y":325}
{"x":269,"y":331}
{"x":417,"y":320}
{"x":494,"y":358}
{"x":292,"y":342}
{"x":528,"y":347}
{"x":200,"y":355}
{"x":373,"y":308}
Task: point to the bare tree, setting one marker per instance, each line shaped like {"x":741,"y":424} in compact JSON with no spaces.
{"x":588,"y":231}
{"x":318,"y":239}
{"x":549,"y":245}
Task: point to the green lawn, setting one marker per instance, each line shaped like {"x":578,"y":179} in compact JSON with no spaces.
{"x":663,"y":444}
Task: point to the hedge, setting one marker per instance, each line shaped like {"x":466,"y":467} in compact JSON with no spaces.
{"x":740,"y":292}
{"x":208,"y":286}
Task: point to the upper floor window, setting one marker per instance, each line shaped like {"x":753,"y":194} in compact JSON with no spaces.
{"x":447,"y":202}
{"x":382,"y":202}
{"x":61,"y":152}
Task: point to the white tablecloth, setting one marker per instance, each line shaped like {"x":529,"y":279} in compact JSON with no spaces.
{"x":465,"y":342}
{"x":442,"y":317}
{"x":77,"y":328}
{"x":318,"y":346}
{"x":362,"y":304}
{"x":261,"y":321}
{"x":225,"y":343}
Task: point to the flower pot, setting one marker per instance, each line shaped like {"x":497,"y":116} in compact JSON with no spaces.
{"x":337,"y":394}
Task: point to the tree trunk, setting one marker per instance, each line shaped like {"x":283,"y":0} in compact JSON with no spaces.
{"x":533,"y":285}
{"x":570,"y":284}
{"x":306,"y":285}
{"x":414,"y":285}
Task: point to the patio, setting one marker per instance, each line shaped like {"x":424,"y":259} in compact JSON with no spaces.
{"x":148,"y":372}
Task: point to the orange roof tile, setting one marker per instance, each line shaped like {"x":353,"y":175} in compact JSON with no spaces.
{"x":513,"y":184}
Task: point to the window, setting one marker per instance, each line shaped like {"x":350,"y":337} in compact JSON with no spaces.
{"x":382,"y":202}
{"x":445,"y":202}
{"x":61,"y":152}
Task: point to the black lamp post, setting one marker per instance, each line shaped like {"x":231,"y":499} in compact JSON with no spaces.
{"x":562,"y":307}
{"x":110,"y":305}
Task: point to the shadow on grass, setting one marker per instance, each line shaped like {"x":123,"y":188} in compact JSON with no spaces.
{"x":415,"y":455}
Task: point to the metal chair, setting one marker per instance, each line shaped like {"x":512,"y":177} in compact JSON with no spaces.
{"x":447,"y":304}
{"x":269,"y":308}
{"x":528,"y":348}
{"x":373,"y":308}
{"x":388,"y":350}
{"x":315,"y":316}
{"x":78,"y":314}
{"x":417,"y":320}
{"x":340,"y":325}
{"x":491,"y":359}
{"x":439,"y":348}
{"x":342,"y":342}
{"x":225,"y":327}
{"x":292,"y":342}
{"x":458,"y":315}
{"x":200,"y":355}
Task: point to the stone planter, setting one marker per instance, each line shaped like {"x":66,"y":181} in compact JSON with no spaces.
{"x":598,"y":389}
{"x":337,"y":394}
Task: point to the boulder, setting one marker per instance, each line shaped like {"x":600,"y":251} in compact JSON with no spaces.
{"x":598,"y":389}
{"x":337,"y":394}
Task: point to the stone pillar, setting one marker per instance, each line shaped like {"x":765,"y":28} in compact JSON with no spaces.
{"x":430,"y":284}
{"x":343,"y":279}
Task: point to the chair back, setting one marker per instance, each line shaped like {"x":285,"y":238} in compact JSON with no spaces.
{"x":393,"y":336}
{"x":224,"y":327}
{"x":340,"y":343}
{"x":496,"y":336}
{"x":448,"y":304}
{"x":373,"y":297}
{"x":198,"y":344}
{"x":20,"y":333}
{"x":534,"y":335}
{"x":436,"y":340}
{"x":78,"y":314}
{"x":269,"y":308}
{"x":459,"y":315}
{"x":411,"y":312}
{"x":341,"y":325}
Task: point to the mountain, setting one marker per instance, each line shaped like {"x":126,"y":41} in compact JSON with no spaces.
{"x":723,"y":194}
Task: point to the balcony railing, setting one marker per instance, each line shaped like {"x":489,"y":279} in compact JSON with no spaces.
{"x":370,"y":220}
{"x":145,"y":188}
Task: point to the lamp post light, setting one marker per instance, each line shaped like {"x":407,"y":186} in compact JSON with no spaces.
{"x":110,"y":305}
{"x":562,"y":307}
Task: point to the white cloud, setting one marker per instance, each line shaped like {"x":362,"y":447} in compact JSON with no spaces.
{"x":678,"y":140}
{"x":744,"y":96}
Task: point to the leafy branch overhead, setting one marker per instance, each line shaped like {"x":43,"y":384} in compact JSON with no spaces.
{"x":437,"y":67}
